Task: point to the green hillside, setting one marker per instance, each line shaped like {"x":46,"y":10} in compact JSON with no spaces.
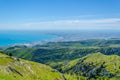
{"x":95,"y":66}
{"x":54,"y":52}
{"x":12,"y":68}
{"x":75,"y":60}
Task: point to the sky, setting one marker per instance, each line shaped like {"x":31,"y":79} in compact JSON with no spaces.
{"x":59,"y":14}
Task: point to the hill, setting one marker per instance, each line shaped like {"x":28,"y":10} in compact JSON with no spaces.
{"x":12,"y":68}
{"x":53,"y":52}
{"x":95,"y":67}
{"x":76,"y":60}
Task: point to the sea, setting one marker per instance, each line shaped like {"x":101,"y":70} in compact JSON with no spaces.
{"x":8,"y":38}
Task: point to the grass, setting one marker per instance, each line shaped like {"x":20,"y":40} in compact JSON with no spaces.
{"x":96,"y":66}
{"x":12,"y":69}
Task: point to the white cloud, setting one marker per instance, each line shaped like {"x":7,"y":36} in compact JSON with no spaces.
{"x":109,"y":23}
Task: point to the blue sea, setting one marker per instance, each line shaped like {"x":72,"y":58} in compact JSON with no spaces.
{"x":21,"y":37}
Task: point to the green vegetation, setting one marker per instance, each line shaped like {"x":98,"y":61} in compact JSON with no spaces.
{"x":95,"y":66}
{"x":12,"y":68}
{"x":55,"y":52}
{"x":72,"y":60}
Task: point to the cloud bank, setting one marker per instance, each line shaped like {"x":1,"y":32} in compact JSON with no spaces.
{"x":109,"y":23}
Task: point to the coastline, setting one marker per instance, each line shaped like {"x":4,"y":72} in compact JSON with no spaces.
{"x":41,"y":37}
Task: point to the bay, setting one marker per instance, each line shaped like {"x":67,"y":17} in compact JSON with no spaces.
{"x":20,"y":37}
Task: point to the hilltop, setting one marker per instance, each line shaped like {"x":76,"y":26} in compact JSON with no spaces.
{"x":95,"y":66}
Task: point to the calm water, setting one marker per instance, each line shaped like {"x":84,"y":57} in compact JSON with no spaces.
{"x":19,"y":37}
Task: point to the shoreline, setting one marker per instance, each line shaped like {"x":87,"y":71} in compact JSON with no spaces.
{"x":60,"y":39}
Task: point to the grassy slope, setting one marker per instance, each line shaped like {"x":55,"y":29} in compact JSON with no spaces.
{"x":96,"y":66}
{"x":93,"y":66}
{"x":12,"y":69}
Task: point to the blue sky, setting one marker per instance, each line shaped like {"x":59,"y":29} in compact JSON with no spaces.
{"x":59,"y":14}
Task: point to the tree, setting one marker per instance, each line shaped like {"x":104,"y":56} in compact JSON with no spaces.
{"x":10,"y":54}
